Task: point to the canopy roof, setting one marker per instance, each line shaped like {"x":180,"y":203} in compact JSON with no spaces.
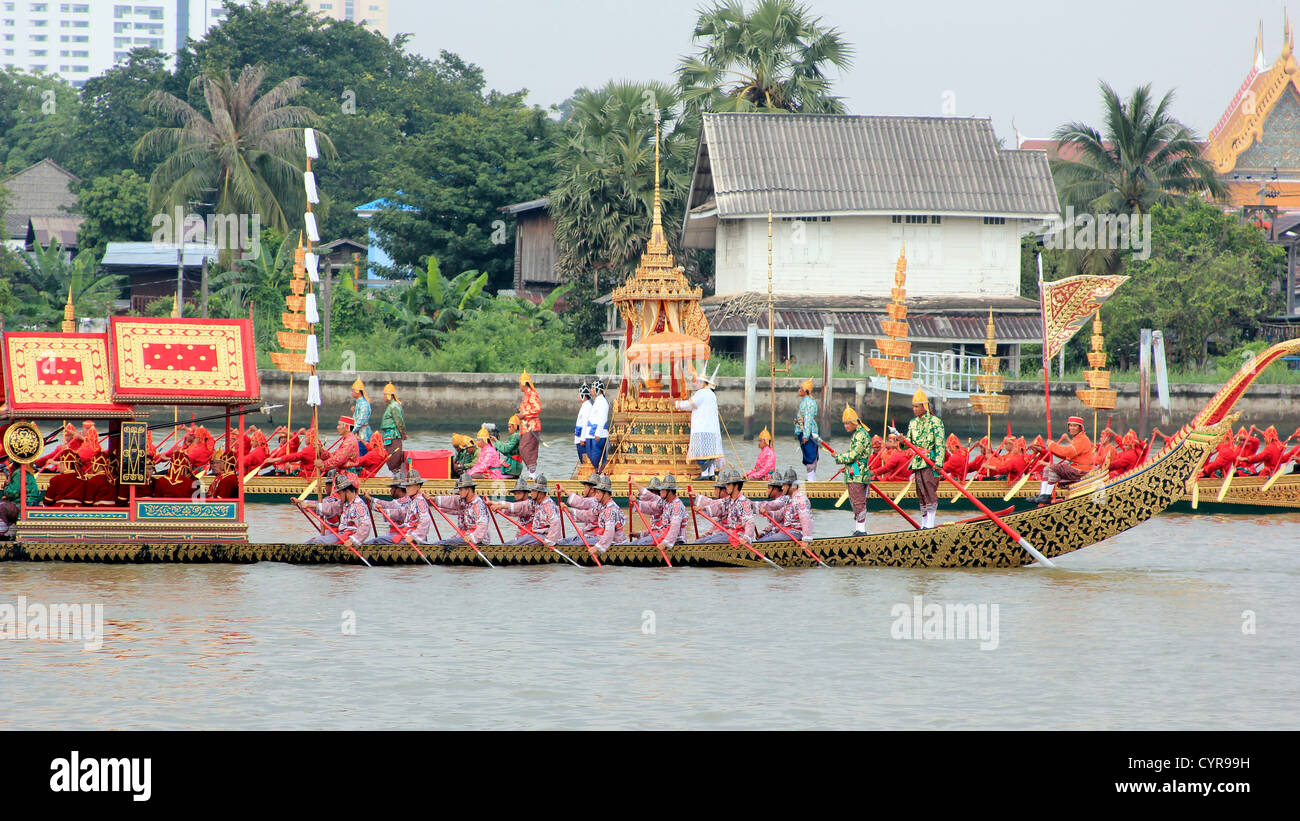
{"x":57,"y":375}
{"x":183,"y":361}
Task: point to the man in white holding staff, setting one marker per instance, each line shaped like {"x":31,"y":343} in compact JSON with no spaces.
{"x":706,"y":432}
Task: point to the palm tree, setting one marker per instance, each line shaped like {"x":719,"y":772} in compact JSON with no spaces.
{"x":49,"y":276}
{"x":774,"y":58}
{"x":604,"y":196}
{"x":429,"y":307}
{"x":248,"y":149}
{"x":1145,"y":157}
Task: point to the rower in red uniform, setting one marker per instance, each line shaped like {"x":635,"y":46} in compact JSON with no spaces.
{"x":71,"y":441}
{"x":303,"y":460}
{"x":347,"y":453}
{"x":257,"y":453}
{"x":979,"y":462}
{"x":894,"y":463}
{"x":101,"y":483}
{"x":1012,"y":464}
{"x":225,"y":485}
{"x":178,"y":481}
{"x":1077,"y":458}
{"x":202,"y":449}
{"x":957,"y":461}
{"x":1128,"y":455}
{"x":1269,"y":457}
{"x":68,"y":486}
{"x":877,"y":455}
{"x":376,"y":456}
{"x":1225,"y":456}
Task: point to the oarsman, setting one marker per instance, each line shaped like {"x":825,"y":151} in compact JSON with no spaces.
{"x":598,"y":424}
{"x":101,"y":481}
{"x":346,"y":453}
{"x":329,"y":508}
{"x":1269,"y":457}
{"x":488,"y":463}
{"x":765,"y":464}
{"x":354,"y":516}
{"x":667,"y":511}
{"x":610,"y":525}
{"x":856,"y":459}
{"x":539,"y":514}
{"x":735,"y":511}
{"x":303,"y":457}
{"x":360,"y":411}
{"x":979,"y":462}
{"x":706,"y":432}
{"x":257,"y":452}
{"x":582,"y":509}
{"x":393,"y":428}
{"x":1225,"y":456}
{"x":580,"y":435}
{"x":806,"y":430}
{"x":396,"y":510}
{"x":530,"y":423}
{"x":374,"y":458}
{"x":508,"y":447}
{"x":225,"y":482}
{"x":522,"y":510}
{"x":894,"y":461}
{"x":419,"y":519}
{"x":1012,"y":464}
{"x":471,"y":511}
{"x":200,"y":450}
{"x":71,"y":442}
{"x":176,"y":483}
{"x":795,"y":513}
{"x":1076,"y":460}
{"x":957,"y":460}
{"x":776,"y":502}
{"x":925,"y":431}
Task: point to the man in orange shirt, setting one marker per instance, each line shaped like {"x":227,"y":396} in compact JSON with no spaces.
{"x":1076,"y":460}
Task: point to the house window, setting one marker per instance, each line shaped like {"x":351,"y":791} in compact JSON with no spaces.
{"x":995,"y":220}
{"x":804,"y":241}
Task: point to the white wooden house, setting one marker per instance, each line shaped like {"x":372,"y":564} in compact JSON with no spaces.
{"x":846,"y":194}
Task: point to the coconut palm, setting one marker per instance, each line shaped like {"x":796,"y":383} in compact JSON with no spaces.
{"x":774,"y":58}
{"x":249,"y":149}
{"x":603,"y":199}
{"x":1145,"y":156}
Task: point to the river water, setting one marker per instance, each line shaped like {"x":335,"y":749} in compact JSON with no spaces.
{"x":1188,"y":621}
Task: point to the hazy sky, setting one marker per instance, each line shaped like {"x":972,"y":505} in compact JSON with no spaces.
{"x":1036,"y":62}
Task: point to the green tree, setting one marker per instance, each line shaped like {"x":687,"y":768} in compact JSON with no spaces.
{"x":112,"y":116}
{"x":426,"y":310}
{"x":602,"y":202}
{"x":114,"y":208}
{"x":41,"y":288}
{"x":248,"y":149}
{"x":774,"y":58}
{"x":451,"y":181}
{"x":1206,"y":285}
{"x":37,"y":115}
{"x":1144,"y":156}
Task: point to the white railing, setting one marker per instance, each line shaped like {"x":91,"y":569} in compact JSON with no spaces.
{"x":945,"y":375}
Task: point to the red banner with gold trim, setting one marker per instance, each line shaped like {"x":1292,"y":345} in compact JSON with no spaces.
{"x":57,"y":375}
{"x":1069,"y":303}
{"x":183,"y":361}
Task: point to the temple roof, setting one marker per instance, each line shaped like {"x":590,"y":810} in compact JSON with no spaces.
{"x":1243,"y":123}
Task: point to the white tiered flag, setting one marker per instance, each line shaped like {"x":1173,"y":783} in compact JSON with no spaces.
{"x":312,"y":263}
{"x":309,"y":219}
{"x":309,"y":183}
{"x":312,"y":357}
{"x":313,"y":390}
{"x":312,"y":315}
{"x":309,"y":137}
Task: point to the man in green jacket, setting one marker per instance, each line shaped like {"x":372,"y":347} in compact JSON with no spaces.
{"x":926,"y":432}
{"x":857,"y":471}
{"x":393,"y":428}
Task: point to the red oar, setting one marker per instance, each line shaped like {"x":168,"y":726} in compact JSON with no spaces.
{"x":735,"y":537}
{"x":526,"y":529}
{"x":406,"y":538}
{"x":434,"y":506}
{"x":564,"y":511}
{"x":792,"y":538}
{"x":997,"y":520}
{"x":309,"y":514}
{"x":879,"y":492}
{"x":649,"y":529}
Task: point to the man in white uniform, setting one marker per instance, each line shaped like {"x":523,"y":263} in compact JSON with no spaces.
{"x":580,"y":427}
{"x":598,"y":425}
{"x":706,"y":432}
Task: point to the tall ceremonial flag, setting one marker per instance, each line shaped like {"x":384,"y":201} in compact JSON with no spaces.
{"x":1065,"y":306}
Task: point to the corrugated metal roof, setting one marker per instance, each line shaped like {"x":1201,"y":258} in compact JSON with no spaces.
{"x":161,"y":255}
{"x":957,"y":324}
{"x":64,"y":229}
{"x":828,"y":163}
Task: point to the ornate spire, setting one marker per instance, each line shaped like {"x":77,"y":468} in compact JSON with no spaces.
{"x":69,"y":314}
{"x":658,"y":243}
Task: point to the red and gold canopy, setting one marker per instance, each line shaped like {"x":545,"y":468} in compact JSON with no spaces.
{"x":57,"y":375}
{"x":183,"y":361}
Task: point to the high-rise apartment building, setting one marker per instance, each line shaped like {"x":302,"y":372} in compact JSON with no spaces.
{"x":78,"y":40}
